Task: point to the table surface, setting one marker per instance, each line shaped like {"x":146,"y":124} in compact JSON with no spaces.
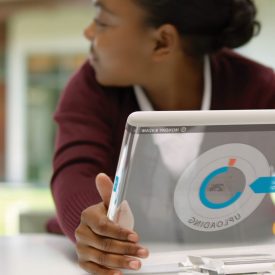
{"x":45,"y":254}
{"x":38,"y":255}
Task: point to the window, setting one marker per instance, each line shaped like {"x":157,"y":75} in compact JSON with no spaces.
{"x":47,"y":74}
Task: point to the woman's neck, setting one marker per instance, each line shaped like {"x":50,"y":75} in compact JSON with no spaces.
{"x":177,"y":86}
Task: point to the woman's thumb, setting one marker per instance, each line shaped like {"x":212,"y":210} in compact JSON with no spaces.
{"x":104,"y":187}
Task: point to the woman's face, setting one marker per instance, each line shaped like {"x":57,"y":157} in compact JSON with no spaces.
{"x":121,"y":44}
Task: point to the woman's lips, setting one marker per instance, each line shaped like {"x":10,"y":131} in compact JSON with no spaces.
{"x":93,"y":56}
{"x":93,"y":59}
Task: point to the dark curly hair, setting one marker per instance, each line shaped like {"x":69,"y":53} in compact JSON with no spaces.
{"x":206,"y":25}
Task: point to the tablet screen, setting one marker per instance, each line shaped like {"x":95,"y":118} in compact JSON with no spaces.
{"x":199,"y":184}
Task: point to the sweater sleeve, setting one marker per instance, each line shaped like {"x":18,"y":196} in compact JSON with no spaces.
{"x":83,"y":147}
{"x":241,"y":83}
{"x":269,"y":102}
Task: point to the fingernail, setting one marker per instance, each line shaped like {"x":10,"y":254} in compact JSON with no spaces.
{"x":117,"y":273}
{"x":142,"y":252}
{"x":134,"y":265}
{"x":132,"y":237}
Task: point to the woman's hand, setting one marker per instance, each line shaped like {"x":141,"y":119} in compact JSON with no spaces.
{"x":104,"y":247}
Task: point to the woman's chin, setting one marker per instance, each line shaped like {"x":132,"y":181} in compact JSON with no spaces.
{"x":99,"y":76}
{"x":104,"y":80}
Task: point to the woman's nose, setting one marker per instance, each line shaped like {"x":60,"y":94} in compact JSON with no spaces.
{"x":89,"y":31}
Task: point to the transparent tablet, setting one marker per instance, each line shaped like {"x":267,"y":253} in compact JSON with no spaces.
{"x":197,"y":177}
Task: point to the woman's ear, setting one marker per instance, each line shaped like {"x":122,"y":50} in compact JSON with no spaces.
{"x":166,"y":39}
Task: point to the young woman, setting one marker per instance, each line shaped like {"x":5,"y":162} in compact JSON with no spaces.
{"x":145,"y":54}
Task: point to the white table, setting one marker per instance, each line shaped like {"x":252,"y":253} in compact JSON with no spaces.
{"x":47,"y":254}
{"x":38,"y":255}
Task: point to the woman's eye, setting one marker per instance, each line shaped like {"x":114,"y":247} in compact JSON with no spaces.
{"x":100,"y":23}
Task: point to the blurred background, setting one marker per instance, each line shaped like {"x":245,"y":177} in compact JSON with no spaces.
{"x":41,"y":45}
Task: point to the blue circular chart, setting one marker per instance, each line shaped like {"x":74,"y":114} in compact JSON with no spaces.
{"x":213,"y":192}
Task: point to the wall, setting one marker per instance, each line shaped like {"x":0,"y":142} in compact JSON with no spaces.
{"x":262,"y":47}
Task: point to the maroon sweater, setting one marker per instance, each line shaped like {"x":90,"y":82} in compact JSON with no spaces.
{"x":91,"y":122}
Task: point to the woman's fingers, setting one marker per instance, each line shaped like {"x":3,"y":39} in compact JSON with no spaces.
{"x":95,"y":218}
{"x":104,"y":186}
{"x":90,"y":254}
{"x":94,"y":268}
{"x":85,"y":237}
